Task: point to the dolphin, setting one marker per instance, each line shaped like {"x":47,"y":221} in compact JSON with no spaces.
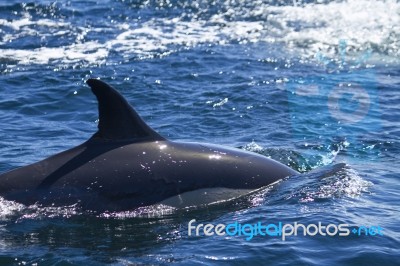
{"x":126,"y":165}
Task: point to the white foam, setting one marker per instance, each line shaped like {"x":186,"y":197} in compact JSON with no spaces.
{"x":363,"y":24}
{"x":26,"y":26}
{"x":90,"y":52}
{"x":9,"y":208}
{"x":304,"y":30}
{"x":19,"y":24}
{"x":344,"y":182}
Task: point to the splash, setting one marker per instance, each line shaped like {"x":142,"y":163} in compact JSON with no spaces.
{"x":288,"y":157}
{"x":9,"y":208}
{"x":153,"y":211}
{"x":18,"y":212}
{"x":336,"y":181}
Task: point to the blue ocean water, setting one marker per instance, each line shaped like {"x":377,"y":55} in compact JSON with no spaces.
{"x":310,"y":84}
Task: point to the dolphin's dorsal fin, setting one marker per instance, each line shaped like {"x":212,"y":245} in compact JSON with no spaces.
{"x":117,"y":118}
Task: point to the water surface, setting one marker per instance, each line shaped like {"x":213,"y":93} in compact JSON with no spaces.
{"x":312,"y":85}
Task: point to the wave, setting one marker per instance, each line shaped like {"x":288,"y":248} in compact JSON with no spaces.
{"x":302,"y":30}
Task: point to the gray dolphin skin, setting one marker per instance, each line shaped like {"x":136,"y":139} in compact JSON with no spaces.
{"x":126,"y":165}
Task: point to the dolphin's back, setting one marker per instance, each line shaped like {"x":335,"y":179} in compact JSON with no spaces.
{"x":126,"y":164}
